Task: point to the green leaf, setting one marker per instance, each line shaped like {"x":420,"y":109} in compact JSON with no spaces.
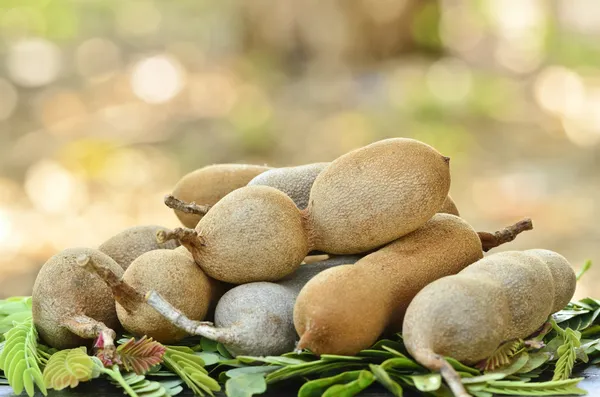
{"x":210,"y":358}
{"x":586,"y":266}
{"x":401,"y":363}
{"x":350,"y":389}
{"x":567,"y":354}
{"x":428,"y":382}
{"x":460,"y":367}
{"x":223,"y":351}
{"x":535,"y":361}
{"x":276,"y":360}
{"x":313,"y":367}
{"x":246,"y":385}
{"x":137,"y":385}
{"x":385,"y":380}
{"x":141,"y":355}
{"x":190,"y":367}
{"x":334,"y":357}
{"x":19,"y":358}
{"x":209,"y":346}
{"x":502,"y":355}
{"x":232,"y":373}
{"x":67,"y":368}
{"x":317,"y":387}
{"x":551,"y":388}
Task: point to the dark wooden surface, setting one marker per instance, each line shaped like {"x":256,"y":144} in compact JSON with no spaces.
{"x":101,"y":388}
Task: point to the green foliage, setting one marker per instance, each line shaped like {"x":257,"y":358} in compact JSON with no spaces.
{"x":246,"y":385}
{"x":567,"y":354}
{"x":552,"y":388}
{"x":503,"y":354}
{"x":13,"y":310}
{"x":586,"y":266}
{"x":190,"y":368}
{"x":146,"y":388}
{"x":20,"y":360}
{"x":386,"y":380}
{"x":67,"y":368}
{"x":141,"y":355}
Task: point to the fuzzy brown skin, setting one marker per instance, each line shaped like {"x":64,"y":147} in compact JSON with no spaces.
{"x":562,"y":273}
{"x":457,"y":315}
{"x":457,"y":299}
{"x":296,"y":182}
{"x":255,"y":233}
{"x":126,"y":246}
{"x":217,"y":288}
{"x":63,"y":290}
{"x":330,"y":311}
{"x":449,"y":207}
{"x":376,"y":194}
{"x":518,"y":275}
{"x":210,"y":184}
{"x":176,"y":277}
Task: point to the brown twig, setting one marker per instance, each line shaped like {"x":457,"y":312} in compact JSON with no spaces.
{"x":126,"y":295}
{"x":189,"y":208}
{"x":180,"y":320}
{"x":435,"y":362}
{"x":508,"y":234}
{"x":88,"y":328}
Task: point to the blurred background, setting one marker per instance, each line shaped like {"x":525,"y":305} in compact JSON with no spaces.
{"x":105,"y":104}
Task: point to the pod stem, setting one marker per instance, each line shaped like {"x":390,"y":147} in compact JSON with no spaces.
{"x":189,"y":238}
{"x":508,"y":234}
{"x":189,"y":208}
{"x":125,"y":294}
{"x":202,"y":328}
{"x":88,"y":328}
{"x":435,"y":362}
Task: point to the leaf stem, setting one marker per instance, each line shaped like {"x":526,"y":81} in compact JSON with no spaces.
{"x":116,"y":375}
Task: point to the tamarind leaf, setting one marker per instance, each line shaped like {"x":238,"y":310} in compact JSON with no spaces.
{"x":567,"y":355}
{"x":550,"y":388}
{"x":427,"y":382}
{"x":190,"y":368}
{"x":223,"y":351}
{"x":315,"y":388}
{"x":586,"y":266}
{"x":389,"y":343}
{"x":67,"y":368}
{"x":141,"y":355}
{"x":210,"y":358}
{"x":275,"y":360}
{"x":334,"y":357}
{"x":209,"y":345}
{"x":20,"y":360}
{"x":350,"y":389}
{"x":401,"y":363}
{"x":535,"y":361}
{"x":143,"y":387}
{"x":246,"y":385}
{"x":232,"y":373}
{"x":460,"y":367}
{"x":502,"y":355}
{"x":380,"y":354}
{"x":385,"y":380}
{"x":310,"y":368}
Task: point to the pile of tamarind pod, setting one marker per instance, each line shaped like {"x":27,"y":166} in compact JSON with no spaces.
{"x":326,"y":257}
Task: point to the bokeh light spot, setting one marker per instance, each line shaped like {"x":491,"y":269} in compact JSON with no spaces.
{"x":157,"y":79}
{"x":53,"y":189}
{"x":33,"y":62}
